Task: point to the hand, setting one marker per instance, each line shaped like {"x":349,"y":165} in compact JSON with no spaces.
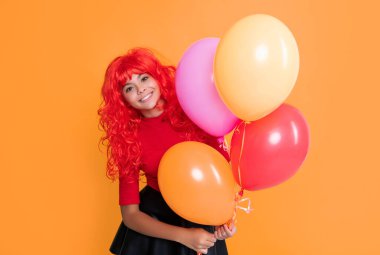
{"x":197,"y":239}
{"x":224,"y":231}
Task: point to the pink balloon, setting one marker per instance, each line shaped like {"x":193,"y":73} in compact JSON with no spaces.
{"x":196,"y":89}
{"x":274,"y":148}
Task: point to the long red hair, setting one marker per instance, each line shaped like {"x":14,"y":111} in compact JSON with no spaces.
{"x":120,"y":121}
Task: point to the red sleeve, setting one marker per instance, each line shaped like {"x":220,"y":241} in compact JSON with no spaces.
{"x":213,"y":142}
{"x":128,"y":191}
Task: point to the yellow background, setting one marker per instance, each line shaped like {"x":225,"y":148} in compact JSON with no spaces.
{"x":55,"y":198}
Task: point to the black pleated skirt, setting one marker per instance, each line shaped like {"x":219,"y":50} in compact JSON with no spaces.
{"x":129,"y":242}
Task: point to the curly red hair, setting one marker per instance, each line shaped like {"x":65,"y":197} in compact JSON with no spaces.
{"x":120,"y":121}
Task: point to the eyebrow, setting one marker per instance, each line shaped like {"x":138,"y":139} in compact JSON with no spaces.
{"x":138,"y":76}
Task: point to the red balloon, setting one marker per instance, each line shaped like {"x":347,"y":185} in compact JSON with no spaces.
{"x":274,"y":148}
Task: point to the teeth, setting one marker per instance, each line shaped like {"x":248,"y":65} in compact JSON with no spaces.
{"x":146,"y":97}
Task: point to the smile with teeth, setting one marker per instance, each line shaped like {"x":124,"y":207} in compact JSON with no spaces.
{"x":147,"y":97}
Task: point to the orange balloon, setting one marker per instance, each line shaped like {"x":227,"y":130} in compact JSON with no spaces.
{"x":256,"y":66}
{"x":196,"y":182}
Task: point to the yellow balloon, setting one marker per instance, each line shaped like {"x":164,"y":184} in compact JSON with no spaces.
{"x":256,"y":66}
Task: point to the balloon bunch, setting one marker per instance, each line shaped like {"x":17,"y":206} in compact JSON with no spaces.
{"x":237,"y":82}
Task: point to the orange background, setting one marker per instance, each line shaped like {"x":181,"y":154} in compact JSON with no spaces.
{"x":55,"y":197}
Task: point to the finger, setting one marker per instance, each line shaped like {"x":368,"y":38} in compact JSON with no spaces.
{"x":216,"y":235}
{"x":227,"y":230}
{"x":230,"y":230}
{"x":207,"y":244}
{"x":203,"y":251}
{"x":212,"y":238}
{"x":223,"y":230}
{"x":231,"y":225}
{"x":220,"y":234}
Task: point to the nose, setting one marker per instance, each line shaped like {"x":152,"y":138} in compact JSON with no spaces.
{"x":140,"y":90}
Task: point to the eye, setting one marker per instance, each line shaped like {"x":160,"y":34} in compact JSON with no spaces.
{"x":128,"y":89}
{"x":144,"y":78}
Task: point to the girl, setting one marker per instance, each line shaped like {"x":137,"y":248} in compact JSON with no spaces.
{"x":142,"y":119}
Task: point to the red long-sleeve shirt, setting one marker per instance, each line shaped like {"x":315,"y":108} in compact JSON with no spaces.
{"x":156,"y":136}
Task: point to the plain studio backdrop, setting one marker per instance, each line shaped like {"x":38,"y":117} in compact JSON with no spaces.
{"x":54,"y":194}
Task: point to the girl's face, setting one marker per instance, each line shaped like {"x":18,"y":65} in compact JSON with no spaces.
{"x":142,"y":92}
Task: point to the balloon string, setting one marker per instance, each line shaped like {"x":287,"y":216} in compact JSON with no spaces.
{"x":222,"y":141}
{"x":238,"y":200}
{"x":226,"y":146}
{"x":239,"y":195}
{"x":241,"y":153}
{"x":248,"y":208}
{"x":238,"y":126}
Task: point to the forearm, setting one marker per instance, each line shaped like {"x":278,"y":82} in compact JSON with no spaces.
{"x":146,"y":225}
{"x":197,"y":239}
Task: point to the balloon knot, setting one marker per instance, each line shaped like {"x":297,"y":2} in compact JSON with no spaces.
{"x":220,"y":140}
{"x":241,"y":192}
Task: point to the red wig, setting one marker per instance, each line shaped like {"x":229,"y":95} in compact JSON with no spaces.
{"x":120,"y":121}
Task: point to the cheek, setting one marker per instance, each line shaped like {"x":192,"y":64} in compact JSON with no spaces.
{"x":129,"y":98}
{"x":158,"y":90}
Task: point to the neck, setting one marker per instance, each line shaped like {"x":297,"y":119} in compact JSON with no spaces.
{"x":155,"y":112}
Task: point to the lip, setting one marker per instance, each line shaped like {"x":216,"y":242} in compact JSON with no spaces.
{"x":146,"y":97}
